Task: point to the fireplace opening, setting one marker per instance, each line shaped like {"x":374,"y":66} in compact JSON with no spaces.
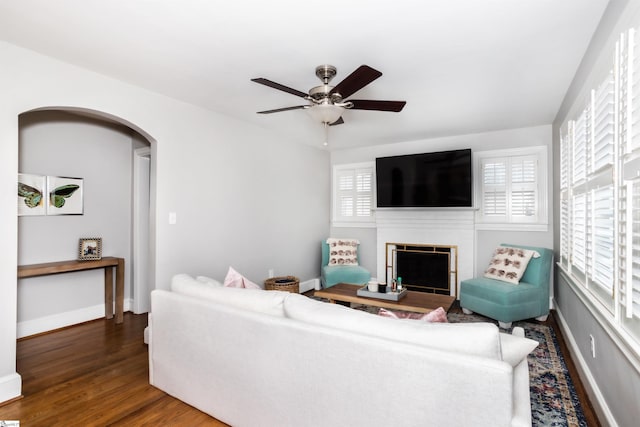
{"x":423,"y":268}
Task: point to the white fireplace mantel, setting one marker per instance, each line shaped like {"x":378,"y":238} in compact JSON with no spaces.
{"x":451,"y":227}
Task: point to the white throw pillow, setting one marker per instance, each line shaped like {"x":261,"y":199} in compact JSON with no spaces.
{"x":480,"y":339}
{"x":343,"y":251}
{"x":508,"y":264}
{"x":515,"y":348}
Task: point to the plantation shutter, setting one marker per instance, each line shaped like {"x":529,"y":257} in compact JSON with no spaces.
{"x":601,"y":222}
{"x":345,"y":192}
{"x":579,"y":232}
{"x":603,"y":238}
{"x":565,"y":220}
{"x":494,"y":180}
{"x":353,"y":193}
{"x":523,"y":186}
{"x":600,"y":191}
{"x":633,"y":302}
{"x":630,"y":251}
{"x":364,"y":192}
{"x":603,"y":124}
{"x":629,"y":81}
{"x":629,"y":239}
{"x":580,"y":147}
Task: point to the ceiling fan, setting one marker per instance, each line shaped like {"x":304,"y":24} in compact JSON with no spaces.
{"x":327,"y":103}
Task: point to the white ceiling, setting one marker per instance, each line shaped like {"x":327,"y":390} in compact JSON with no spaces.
{"x":463,"y":66}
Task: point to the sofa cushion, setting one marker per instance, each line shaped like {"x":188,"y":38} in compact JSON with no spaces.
{"x":499,"y":292}
{"x":508,"y":264}
{"x":353,"y":274}
{"x":209,"y":281}
{"x":256,"y":300}
{"x":515,"y":347}
{"x":481,"y":339}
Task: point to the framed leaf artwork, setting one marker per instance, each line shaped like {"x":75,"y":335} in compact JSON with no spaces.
{"x":31,"y":194}
{"x":65,"y":196}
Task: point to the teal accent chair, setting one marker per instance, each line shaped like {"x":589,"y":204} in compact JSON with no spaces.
{"x":333,"y":274}
{"x":506,"y":302}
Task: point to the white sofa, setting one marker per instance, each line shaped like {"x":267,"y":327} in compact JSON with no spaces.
{"x":270,"y":358}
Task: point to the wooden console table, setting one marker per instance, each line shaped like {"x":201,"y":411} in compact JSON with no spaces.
{"x":108,"y":263}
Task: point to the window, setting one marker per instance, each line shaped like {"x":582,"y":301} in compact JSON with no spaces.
{"x":353,"y":195}
{"x":513,"y":188}
{"x":600,"y":192}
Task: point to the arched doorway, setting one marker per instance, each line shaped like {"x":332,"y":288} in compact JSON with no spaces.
{"x":101,"y":149}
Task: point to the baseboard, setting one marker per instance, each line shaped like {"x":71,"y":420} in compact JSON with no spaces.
{"x":595,"y":395}
{"x":61,"y":320}
{"x":10,"y":387}
{"x":307,"y":285}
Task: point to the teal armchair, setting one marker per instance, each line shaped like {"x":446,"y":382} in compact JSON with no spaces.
{"x":333,"y":274}
{"x":506,"y":302}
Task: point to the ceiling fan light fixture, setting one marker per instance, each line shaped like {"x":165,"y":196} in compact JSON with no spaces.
{"x":325,"y":113}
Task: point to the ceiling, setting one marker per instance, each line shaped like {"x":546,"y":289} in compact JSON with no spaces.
{"x":463,"y":66}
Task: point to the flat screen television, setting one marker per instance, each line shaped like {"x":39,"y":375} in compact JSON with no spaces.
{"x":431,"y":180}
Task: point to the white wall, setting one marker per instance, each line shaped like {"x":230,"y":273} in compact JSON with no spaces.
{"x":60,"y":144}
{"x":242,"y":196}
{"x":613,"y":383}
{"x":486,"y":241}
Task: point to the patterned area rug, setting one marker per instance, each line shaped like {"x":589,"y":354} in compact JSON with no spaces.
{"x":554,"y":401}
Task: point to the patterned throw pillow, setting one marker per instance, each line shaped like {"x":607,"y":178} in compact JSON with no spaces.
{"x":508,"y":264}
{"x":436,"y":316}
{"x":343,"y":251}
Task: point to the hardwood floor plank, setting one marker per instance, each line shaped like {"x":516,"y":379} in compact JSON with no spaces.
{"x":94,"y":374}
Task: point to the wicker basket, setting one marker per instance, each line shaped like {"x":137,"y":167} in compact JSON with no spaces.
{"x":283,"y":283}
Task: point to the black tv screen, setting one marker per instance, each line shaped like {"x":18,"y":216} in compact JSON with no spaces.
{"x":441,"y":179}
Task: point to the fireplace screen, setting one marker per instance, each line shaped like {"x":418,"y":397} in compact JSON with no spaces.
{"x":424,"y":268}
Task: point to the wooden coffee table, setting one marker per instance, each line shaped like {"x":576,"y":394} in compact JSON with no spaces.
{"x":418,"y":302}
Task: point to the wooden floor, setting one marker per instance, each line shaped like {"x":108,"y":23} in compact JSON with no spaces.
{"x":96,"y":374}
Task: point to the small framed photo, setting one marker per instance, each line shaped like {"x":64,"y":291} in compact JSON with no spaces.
{"x":90,"y":248}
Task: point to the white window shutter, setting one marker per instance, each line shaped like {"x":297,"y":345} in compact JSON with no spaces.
{"x":523,"y":186}
{"x":512,"y":187}
{"x":353,"y":193}
{"x":494,"y":188}
{"x":603,"y":124}
{"x":580,"y":148}
{"x":579,"y":232}
{"x":629,"y":80}
{"x":603,"y":239}
{"x":600,"y":191}
{"x":633,"y":301}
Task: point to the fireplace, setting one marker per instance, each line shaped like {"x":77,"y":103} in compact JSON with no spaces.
{"x":428,"y":227}
{"x":423,"y":268}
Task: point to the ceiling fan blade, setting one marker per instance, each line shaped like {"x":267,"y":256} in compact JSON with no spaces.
{"x":337,"y":122}
{"x":355,"y":81}
{"x":277,"y":110}
{"x":366,"y":104}
{"x":280,"y":87}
